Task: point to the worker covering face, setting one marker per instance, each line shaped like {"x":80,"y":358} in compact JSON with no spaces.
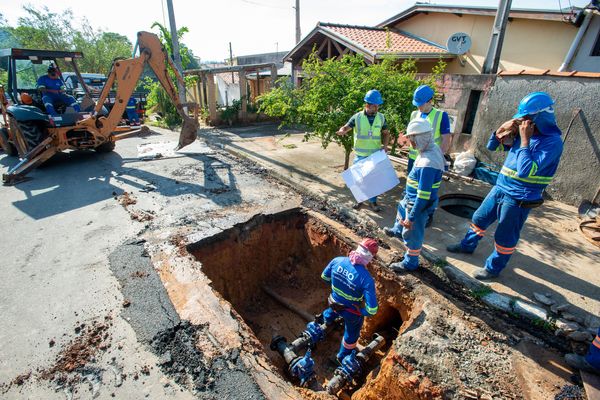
{"x":532,"y":140}
{"x":351,"y":286}
{"x":421,"y":196}
{"x":53,"y":91}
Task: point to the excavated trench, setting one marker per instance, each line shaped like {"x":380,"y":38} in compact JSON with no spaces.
{"x":285,"y":254}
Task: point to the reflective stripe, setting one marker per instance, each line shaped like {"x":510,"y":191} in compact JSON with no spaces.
{"x":436,"y":185}
{"x":130,"y":107}
{"x":370,"y":310}
{"x":422,"y":194}
{"x":348,"y":345}
{"x":412,"y":183}
{"x":344,"y":295}
{"x":413,"y":153}
{"x":500,"y":147}
{"x":367,"y":137}
{"x":478,"y":231}
{"x":325,"y":278}
{"x":540,"y":180}
{"x":414,"y":252}
{"x":504,"y":250}
{"x":364,"y":152}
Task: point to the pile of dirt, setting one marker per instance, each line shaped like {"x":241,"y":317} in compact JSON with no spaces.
{"x":92,"y":337}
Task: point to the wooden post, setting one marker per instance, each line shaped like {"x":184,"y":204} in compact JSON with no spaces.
{"x":199,"y":90}
{"x":273,"y":76}
{"x":212,"y":97}
{"x":243,"y":95}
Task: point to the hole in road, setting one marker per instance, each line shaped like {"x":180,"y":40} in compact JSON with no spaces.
{"x":461,"y":205}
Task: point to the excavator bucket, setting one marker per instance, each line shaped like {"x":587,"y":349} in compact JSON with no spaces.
{"x":189,"y":132}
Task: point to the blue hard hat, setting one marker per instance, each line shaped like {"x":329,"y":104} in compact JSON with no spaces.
{"x":422,"y":95}
{"x":373,"y":97}
{"x":534,"y":103}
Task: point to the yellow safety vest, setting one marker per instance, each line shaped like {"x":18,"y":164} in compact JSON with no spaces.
{"x":367,"y":137}
{"x":435,"y":119}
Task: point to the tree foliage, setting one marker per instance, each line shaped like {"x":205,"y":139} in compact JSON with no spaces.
{"x":333,"y":90}
{"x":43,"y":29}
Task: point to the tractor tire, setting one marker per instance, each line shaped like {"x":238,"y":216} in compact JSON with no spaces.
{"x":6,"y":145}
{"x":105,"y":147}
{"x":27,"y":135}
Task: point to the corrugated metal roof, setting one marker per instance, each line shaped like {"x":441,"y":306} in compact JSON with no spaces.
{"x":381,"y":41}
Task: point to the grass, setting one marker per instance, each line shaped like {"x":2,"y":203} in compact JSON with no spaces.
{"x":481,"y":292}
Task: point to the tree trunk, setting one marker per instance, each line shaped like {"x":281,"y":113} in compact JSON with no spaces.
{"x":347,"y":158}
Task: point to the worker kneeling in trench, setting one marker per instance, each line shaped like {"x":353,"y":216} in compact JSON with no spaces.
{"x":351,"y":284}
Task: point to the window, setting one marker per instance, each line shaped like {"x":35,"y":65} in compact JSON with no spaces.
{"x":471,"y":112}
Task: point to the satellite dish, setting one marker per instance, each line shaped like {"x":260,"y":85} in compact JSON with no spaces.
{"x":458,"y":43}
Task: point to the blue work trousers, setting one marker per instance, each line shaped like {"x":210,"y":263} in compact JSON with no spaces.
{"x":352,"y":324}
{"x":511,"y":218}
{"x":413,"y":238}
{"x":593,"y":355}
{"x":360,"y":158}
{"x":49,"y":99}
{"x":132,"y":114}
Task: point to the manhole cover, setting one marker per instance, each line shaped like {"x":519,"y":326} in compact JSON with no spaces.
{"x":461,"y":205}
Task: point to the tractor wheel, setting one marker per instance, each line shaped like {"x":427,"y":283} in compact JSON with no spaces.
{"x":105,"y":147}
{"x":6,"y":145}
{"x":27,"y":135}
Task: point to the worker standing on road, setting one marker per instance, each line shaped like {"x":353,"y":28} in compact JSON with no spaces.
{"x":421,"y":197}
{"x":533,"y":157}
{"x":351,"y":284}
{"x":371,"y":133}
{"x":53,"y":90}
{"x":591,"y":361}
{"x":131,"y":110}
{"x":439,"y":120}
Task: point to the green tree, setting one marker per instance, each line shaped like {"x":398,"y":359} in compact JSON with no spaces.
{"x":333,"y":90}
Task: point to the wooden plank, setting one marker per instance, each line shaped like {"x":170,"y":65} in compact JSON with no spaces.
{"x":321,"y":47}
{"x":328,"y":48}
{"x":337,"y":47}
{"x":591,"y":384}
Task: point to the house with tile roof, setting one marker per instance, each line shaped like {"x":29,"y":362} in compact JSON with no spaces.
{"x":534,"y":40}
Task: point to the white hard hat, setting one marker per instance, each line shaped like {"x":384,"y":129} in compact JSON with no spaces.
{"x":418,"y":126}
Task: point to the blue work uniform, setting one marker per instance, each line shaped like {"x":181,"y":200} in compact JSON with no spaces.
{"x":351,"y":285}
{"x":419,"y":202}
{"x":524,"y":176}
{"x":131,"y":110}
{"x":444,"y":130}
{"x":593,"y":354}
{"x":49,"y":99}
{"x":371,"y":118}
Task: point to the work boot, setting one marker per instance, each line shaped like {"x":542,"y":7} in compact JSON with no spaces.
{"x":400,"y":267}
{"x":483,"y":274}
{"x":457,"y":248}
{"x":579,"y":362}
{"x":429,"y":221}
{"x":391,"y":233}
{"x":374,"y":206}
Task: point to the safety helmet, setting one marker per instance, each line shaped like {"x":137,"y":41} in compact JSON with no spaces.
{"x":51,"y":68}
{"x":422,"y":95}
{"x":371,"y":245}
{"x":534,"y":103}
{"x":26,"y":98}
{"x":373,"y":97}
{"x":418,"y":126}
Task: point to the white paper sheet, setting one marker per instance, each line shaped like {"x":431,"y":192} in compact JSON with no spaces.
{"x":371,"y":177}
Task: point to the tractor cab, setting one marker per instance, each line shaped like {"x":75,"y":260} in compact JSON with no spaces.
{"x":24,"y":68}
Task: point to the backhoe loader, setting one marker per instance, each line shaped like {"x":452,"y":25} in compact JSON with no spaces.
{"x":28,"y":130}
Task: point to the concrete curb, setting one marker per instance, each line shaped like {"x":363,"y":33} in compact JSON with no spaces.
{"x":502,"y":302}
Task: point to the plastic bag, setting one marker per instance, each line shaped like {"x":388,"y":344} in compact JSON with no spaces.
{"x":465,"y":163}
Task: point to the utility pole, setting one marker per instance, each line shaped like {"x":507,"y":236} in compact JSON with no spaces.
{"x":298,"y":35}
{"x":231,"y":63}
{"x":492,"y":59}
{"x":176,"y":54}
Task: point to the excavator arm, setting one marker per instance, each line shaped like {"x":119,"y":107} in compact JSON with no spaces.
{"x":126,"y":73}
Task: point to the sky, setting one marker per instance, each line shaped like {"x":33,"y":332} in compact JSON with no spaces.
{"x":252,"y":26}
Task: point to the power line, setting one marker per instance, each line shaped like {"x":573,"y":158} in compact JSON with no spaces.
{"x":264,"y":5}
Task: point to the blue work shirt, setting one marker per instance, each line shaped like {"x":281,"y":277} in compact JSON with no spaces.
{"x":351,"y":285}
{"x":49,"y":83}
{"x":422,"y":187}
{"x":528,"y":170}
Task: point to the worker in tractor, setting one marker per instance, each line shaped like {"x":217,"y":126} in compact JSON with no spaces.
{"x":439,"y":120}
{"x":371,"y":133}
{"x":52,"y":88}
{"x":131,"y":109}
{"x":534,"y":145}
{"x":421,"y":196}
{"x":591,"y":361}
{"x":351,"y":286}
